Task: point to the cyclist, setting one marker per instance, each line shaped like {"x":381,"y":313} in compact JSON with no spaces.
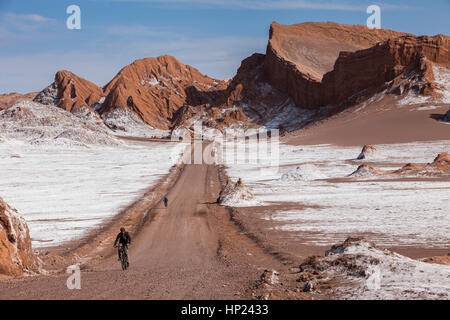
{"x":124,"y":240}
{"x":166,"y":201}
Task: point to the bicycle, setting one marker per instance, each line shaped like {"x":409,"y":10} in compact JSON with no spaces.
{"x":123,"y":257}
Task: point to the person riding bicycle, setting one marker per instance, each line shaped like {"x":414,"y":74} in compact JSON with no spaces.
{"x":166,"y":201}
{"x":124,"y":240}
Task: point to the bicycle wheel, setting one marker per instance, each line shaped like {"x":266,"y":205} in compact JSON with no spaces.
{"x":124,"y":260}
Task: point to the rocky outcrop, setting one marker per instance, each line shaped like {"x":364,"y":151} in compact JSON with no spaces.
{"x":248,"y":101}
{"x":235,"y":194}
{"x":446,"y":117}
{"x":304,"y":172}
{"x":320,"y":64}
{"x":9,"y":99}
{"x":365,"y":72}
{"x":16,"y":255}
{"x":270,"y":277}
{"x":262,"y":103}
{"x":70,"y":92}
{"x":441,"y":160}
{"x":440,"y":165}
{"x":445,"y":260}
{"x":38,"y":124}
{"x":366,"y":152}
{"x":357,"y":269}
{"x":156,"y":88}
{"x":366,"y":170}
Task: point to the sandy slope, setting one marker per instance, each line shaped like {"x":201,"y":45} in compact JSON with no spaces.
{"x":385,"y":121}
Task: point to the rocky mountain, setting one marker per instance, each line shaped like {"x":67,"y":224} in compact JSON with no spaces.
{"x":310,"y":71}
{"x":320,"y":64}
{"x":39,"y":124}
{"x":9,"y":99}
{"x":16,"y":255}
{"x":156,"y":88}
{"x":70,"y":92}
{"x":249,"y":101}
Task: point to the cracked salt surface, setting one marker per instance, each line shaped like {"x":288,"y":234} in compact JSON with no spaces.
{"x":390,"y":212}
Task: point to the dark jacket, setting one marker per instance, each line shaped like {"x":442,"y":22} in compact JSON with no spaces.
{"x":123,"y":238}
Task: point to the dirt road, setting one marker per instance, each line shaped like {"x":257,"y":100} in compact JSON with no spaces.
{"x":190,"y":250}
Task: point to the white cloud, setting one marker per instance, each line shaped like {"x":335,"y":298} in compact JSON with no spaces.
{"x":29,"y":18}
{"x":16,"y":27}
{"x":33,"y":18}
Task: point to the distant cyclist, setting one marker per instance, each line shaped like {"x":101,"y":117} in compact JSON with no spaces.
{"x":124,"y":239}
{"x":166,"y":201}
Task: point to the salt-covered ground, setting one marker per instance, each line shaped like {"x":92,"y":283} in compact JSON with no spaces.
{"x":391,"y":211}
{"x":63,"y":192}
{"x":125,"y":123}
{"x":442,"y":80}
{"x":367,"y":272}
{"x":33,"y":123}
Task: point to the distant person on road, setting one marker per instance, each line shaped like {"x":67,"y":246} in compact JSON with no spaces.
{"x":124,"y":239}
{"x":166,"y":201}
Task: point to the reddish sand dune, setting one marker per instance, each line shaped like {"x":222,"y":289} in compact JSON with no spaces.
{"x":382,"y":122}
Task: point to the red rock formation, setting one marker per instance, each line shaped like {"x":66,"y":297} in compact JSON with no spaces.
{"x":75,"y":92}
{"x":247,"y":102}
{"x":442,"y":160}
{"x":366,"y":170}
{"x":366,"y":151}
{"x":242,"y":87}
{"x":70,"y":92}
{"x":320,"y":64}
{"x":261,"y":103}
{"x":9,"y":99}
{"x":307,"y":66}
{"x":445,"y":260}
{"x":155,"y":88}
{"x":368,"y":70}
{"x":16,"y":255}
{"x":440,"y":164}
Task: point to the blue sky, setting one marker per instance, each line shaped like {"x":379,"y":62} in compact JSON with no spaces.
{"x":211,"y":35}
